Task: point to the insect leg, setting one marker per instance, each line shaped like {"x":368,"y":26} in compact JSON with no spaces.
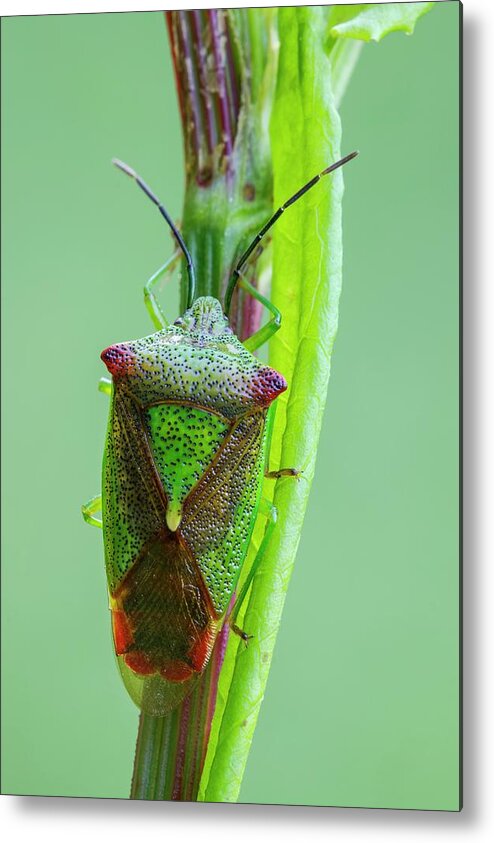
{"x":104,"y":386}
{"x":191,"y":294}
{"x":236,"y":274}
{"x":283,"y":472}
{"x":88,"y":510}
{"x":157,"y":316}
{"x":270,"y":512}
{"x":266,"y":332}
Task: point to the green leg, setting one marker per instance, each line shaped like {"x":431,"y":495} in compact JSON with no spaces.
{"x":266,"y":332}
{"x":88,"y":510}
{"x":104,"y":385}
{"x":255,"y":341}
{"x":271,"y":513}
{"x":282,"y":472}
{"x":150,"y":300}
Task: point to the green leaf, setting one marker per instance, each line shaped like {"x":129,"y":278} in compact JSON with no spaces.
{"x":306,"y":288}
{"x":344,"y":53}
{"x":372,"y":21}
{"x":313,"y":72}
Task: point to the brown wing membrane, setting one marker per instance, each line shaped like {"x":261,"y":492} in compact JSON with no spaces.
{"x":173,"y":587}
{"x":163,"y":618}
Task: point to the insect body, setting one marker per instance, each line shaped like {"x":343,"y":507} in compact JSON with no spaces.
{"x":182,"y":476}
{"x":186,"y":452}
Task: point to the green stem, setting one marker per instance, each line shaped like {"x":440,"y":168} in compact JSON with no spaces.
{"x":344,"y":55}
{"x":225,"y":64}
{"x":228,"y":197}
{"x":306,"y":287}
{"x":170,"y":751}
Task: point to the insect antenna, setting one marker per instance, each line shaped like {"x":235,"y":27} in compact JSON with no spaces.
{"x":277,"y":214}
{"x":152,"y":196}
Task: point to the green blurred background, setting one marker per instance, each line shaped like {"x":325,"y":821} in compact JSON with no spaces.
{"x":362,"y":703}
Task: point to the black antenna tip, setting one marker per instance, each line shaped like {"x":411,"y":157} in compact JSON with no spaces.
{"x":124,"y":167}
{"x":339,"y":163}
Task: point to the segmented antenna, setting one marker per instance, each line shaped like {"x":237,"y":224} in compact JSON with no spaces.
{"x":178,"y":237}
{"x":277,"y":214}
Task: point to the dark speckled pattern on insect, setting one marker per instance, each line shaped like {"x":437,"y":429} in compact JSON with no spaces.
{"x":197,"y":359}
{"x":185,"y":456}
{"x":182,"y":472}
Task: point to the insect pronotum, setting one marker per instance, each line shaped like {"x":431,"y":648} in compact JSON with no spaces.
{"x":186,"y":452}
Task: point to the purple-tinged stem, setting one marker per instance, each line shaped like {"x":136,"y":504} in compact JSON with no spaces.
{"x":222,"y":175}
{"x":215,"y":19}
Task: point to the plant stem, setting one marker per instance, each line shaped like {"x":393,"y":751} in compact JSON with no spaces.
{"x":228,"y":197}
{"x":170,"y":750}
{"x":225,"y":65}
{"x":306,"y":287}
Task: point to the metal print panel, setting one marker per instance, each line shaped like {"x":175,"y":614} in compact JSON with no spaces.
{"x":276,"y":580}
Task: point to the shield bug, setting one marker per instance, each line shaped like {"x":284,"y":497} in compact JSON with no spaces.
{"x":186,"y":452}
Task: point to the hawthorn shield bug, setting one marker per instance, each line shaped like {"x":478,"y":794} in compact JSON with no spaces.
{"x":186,"y":452}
